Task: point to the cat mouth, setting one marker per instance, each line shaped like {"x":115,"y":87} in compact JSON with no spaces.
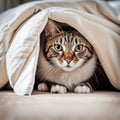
{"x":68,"y":66}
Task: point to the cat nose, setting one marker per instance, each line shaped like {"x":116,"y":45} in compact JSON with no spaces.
{"x":68,"y":60}
{"x":68,"y":56}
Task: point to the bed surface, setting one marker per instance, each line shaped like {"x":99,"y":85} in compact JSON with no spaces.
{"x":102,"y":105}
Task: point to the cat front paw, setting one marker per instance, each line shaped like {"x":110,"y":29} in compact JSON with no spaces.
{"x":83,"y":88}
{"x":58,"y":89}
{"x":42,"y":87}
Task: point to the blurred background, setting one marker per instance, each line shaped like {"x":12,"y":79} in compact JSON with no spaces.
{"x":7,"y":4}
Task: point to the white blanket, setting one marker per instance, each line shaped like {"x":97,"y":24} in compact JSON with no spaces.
{"x":20,"y":30}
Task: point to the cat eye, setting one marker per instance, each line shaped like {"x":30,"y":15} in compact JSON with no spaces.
{"x":79,"y":48}
{"x":58,"y":47}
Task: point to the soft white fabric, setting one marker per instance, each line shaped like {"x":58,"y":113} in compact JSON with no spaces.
{"x":20,"y":30}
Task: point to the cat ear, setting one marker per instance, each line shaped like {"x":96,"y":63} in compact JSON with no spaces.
{"x":51,"y":28}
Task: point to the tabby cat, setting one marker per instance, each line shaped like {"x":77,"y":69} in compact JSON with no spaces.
{"x":67,"y":62}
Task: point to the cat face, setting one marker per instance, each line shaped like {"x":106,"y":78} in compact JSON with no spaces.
{"x":66,"y":50}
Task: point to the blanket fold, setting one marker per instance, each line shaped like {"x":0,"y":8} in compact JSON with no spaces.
{"x":20,"y":30}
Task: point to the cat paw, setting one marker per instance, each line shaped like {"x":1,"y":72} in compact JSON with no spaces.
{"x":58,"y":89}
{"x":83,"y":89}
{"x":43,"y":87}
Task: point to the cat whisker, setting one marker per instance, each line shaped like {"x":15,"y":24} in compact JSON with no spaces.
{"x":52,"y":70}
{"x":40,"y":70}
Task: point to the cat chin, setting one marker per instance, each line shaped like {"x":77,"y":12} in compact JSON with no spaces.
{"x":68,"y":69}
